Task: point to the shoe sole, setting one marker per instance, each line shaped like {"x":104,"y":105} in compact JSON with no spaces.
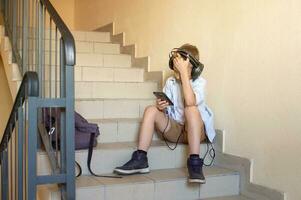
{"x":133,"y":171}
{"x":197,"y":181}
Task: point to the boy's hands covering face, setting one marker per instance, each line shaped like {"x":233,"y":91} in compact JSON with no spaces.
{"x":181,"y":65}
{"x":161,"y":105}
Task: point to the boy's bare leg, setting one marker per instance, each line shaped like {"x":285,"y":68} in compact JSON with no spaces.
{"x":152,"y":117}
{"x":195,"y":129}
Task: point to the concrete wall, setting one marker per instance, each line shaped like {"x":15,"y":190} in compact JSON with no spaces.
{"x":6,"y":103}
{"x":251,"y":53}
{"x":66,"y":9}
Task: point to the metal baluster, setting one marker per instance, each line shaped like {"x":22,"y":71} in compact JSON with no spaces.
{"x":25,"y":148}
{"x":31,"y":48}
{"x":25,"y":37}
{"x":10,"y":155}
{"x":14,"y":29}
{"x":15,"y":157}
{"x":20,"y":151}
{"x":56,"y":65}
{"x":44,"y":85}
{"x":4,"y":177}
{"x":50,"y":57}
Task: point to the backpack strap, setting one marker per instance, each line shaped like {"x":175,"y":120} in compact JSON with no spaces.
{"x":79,"y":168}
{"x":90,"y":152}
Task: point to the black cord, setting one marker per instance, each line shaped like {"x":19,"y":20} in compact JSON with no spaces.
{"x":165,"y":140}
{"x":210,"y":151}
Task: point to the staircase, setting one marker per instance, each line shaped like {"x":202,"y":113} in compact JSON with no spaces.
{"x":111,"y":92}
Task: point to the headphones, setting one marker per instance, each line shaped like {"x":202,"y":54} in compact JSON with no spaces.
{"x":197,"y":66}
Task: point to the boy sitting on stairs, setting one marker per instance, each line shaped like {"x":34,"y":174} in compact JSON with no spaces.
{"x":189,"y":120}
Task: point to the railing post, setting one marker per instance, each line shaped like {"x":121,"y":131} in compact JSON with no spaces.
{"x":20,"y":151}
{"x":4,"y":175}
{"x":25,"y":37}
{"x":70,"y":188}
{"x":14,"y":29}
{"x":32,"y":148}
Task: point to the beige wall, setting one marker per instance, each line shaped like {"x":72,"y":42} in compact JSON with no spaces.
{"x":6,"y":103}
{"x":253,"y":67}
{"x":66,"y":9}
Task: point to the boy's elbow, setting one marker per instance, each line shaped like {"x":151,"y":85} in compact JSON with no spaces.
{"x":190,"y":103}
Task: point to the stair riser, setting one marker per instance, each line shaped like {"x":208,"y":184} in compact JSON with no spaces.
{"x":167,"y":190}
{"x":95,"y":74}
{"x":115,"y":90}
{"x":112,"y":108}
{"x":105,"y":160}
{"x":120,"y":132}
{"x":109,"y":74}
{"x":78,"y":35}
{"x":109,"y":90}
{"x":103,"y":60}
{"x":89,"y":59}
{"x":81,"y":46}
{"x":97,"y":47}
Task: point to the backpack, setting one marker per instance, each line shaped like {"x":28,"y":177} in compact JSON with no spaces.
{"x":85,"y":135}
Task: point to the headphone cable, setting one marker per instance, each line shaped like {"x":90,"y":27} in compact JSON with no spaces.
{"x":210,"y":151}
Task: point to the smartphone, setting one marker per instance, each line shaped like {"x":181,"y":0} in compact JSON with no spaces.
{"x":163,"y":96}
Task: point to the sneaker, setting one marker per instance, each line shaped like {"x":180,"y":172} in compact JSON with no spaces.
{"x":195,"y":170}
{"x":137,"y":165}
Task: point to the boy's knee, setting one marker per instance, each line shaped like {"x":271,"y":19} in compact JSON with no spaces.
{"x":151,"y":109}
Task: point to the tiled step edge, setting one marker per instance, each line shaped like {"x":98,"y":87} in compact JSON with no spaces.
{"x":107,"y":156}
{"x":159,"y":184}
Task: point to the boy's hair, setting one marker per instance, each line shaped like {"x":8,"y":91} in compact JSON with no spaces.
{"x":193,"y":50}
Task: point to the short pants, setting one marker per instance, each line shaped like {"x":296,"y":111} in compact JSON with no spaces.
{"x":176,"y":129}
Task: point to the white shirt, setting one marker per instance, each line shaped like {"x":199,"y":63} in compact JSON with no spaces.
{"x":173,"y":90}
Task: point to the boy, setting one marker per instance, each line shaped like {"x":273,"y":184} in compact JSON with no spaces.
{"x":189,"y":120}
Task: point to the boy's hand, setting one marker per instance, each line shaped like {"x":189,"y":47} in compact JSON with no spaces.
{"x":161,"y":105}
{"x":181,"y":65}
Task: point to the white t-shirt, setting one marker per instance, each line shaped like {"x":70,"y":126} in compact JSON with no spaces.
{"x":173,"y":90}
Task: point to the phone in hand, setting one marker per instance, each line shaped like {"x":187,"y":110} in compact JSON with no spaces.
{"x":163,"y":97}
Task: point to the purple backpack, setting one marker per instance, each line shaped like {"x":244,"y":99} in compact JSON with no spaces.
{"x":83,"y":129}
{"x":85,"y":134}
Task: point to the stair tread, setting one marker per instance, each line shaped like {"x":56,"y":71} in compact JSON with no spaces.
{"x":126,"y":145}
{"x":108,"y":120}
{"x":113,"y":99}
{"x":107,"y":54}
{"x":237,"y":197}
{"x":161,"y":175}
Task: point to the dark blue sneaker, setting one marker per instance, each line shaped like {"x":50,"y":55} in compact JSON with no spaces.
{"x":195,"y":170}
{"x":137,"y":165}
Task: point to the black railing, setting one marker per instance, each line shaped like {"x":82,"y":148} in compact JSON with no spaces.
{"x":42,"y":44}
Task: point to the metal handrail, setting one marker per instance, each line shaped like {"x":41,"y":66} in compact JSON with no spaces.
{"x":28,"y":88}
{"x":36,"y":93}
{"x":66,"y":34}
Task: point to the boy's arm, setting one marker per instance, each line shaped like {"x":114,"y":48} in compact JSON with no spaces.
{"x":189,"y":95}
{"x":185,"y":69}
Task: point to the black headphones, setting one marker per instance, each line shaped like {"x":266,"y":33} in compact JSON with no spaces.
{"x":197,"y":66}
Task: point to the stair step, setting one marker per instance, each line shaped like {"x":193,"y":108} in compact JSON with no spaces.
{"x":80,"y":46}
{"x":96,"y":47}
{"x":115,"y":90}
{"x":103,"y":60}
{"x":112,"y":108}
{"x":91,"y":36}
{"x":167,"y":184}
{"x":110,"y":74}
{"x":119,"y":130}
{"x":107,"y":156}
{"x":236,"y":197}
